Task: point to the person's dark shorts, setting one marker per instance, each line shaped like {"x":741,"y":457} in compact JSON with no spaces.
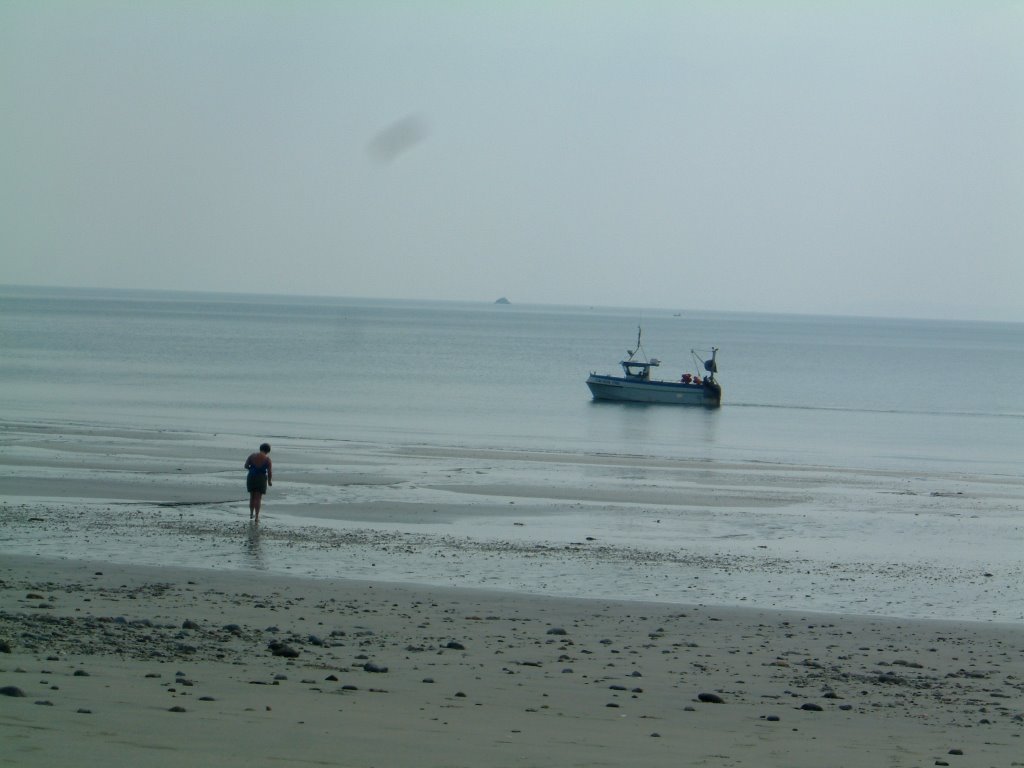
{"x":256,"y":483}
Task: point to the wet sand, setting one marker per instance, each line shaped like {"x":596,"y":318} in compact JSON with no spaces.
{"x":800,"y":537}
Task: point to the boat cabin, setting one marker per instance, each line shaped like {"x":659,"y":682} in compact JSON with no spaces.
{"x":637,"y":370}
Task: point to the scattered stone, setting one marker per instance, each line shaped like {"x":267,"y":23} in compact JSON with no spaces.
{"x":710,"y":698}
{"x":955,"y":752}
{"x":557,"y":631}
{"x":5,"y":647}
{"x":428,"y":680}
{"x":45,"y":703}
{"x":283,"y":649}
{"x":810,"y":706}
{"x":81,"y":673}
{"x":455,"y":646}
{"x":332,"y":678}
{"x":371,"y":667}
{"x":207,"y":698}
{"x":655,"y":735}
{"x":189,"y":624}
{"x":908,"y":664}
{"x":890,"y":678}
{"x":177,"y":709}
{"x":773,"y":718}
{"x":83,"y":711}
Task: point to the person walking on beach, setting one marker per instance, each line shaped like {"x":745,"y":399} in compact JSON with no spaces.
{"x":260,"y":476}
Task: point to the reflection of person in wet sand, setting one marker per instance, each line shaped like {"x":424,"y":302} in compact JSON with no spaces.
{"x":253,"y":550}
{"x":260,"y":476}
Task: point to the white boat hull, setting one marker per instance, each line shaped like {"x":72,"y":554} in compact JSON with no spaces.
{"x":624,"y":390}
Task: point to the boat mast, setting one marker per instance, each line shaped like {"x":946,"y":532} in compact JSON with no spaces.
{"x":639,"y":348}
{"x":711,"y":366}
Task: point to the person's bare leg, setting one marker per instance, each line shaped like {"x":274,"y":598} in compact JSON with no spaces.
{"x":259,"y":503}
{"x":253,"y":504}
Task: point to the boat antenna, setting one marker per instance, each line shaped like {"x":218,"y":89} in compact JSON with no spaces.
{"x":632,"y":352}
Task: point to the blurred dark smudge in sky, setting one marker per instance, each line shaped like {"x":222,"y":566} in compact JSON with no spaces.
{"x":397,"y":139}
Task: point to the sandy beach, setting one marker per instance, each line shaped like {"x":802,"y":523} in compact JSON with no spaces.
{"x":143,"y":619}
{"x":108,"y":664}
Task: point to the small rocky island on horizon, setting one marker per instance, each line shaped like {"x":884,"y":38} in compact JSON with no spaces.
{"x":503,"y":300}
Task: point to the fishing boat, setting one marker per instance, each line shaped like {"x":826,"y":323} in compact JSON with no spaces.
{"x":637,"y":386}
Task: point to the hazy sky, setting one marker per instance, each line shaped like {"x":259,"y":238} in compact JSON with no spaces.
{"x":824,"y":157}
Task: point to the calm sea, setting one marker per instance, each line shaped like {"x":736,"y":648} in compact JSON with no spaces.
{"x":829,"y":391}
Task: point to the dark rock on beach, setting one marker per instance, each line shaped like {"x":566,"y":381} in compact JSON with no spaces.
{"x":11,"y":690}
{"x":283,"y":649}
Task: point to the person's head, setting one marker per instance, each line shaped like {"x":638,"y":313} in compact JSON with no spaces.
{"x":265,"y":448}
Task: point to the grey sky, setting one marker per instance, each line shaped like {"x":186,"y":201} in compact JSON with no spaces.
{"x":832,"y":157}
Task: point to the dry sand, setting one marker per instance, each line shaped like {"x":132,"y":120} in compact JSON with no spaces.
{"x":128,"y":665}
